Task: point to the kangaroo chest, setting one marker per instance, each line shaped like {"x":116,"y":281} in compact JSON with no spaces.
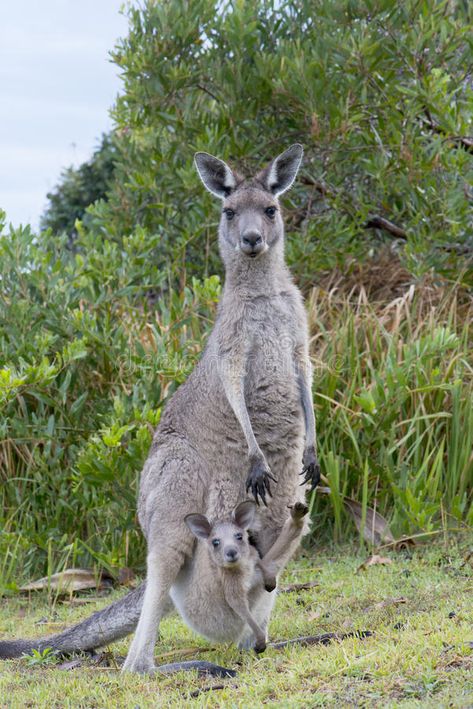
{"x":198,"y":596}
{"x":271,"y":379}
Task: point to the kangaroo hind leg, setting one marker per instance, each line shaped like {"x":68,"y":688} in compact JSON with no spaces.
{"x":169,"y":544}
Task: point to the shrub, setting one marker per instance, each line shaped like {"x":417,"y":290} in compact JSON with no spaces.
{"x":378,"y":92}
{"x":86,"y":366}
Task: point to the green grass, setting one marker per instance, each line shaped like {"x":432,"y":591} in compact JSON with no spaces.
{"x":420,"y":655}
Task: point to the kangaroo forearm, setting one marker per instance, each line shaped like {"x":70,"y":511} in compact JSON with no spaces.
{"x":308,"y":409}
{"x":238,"y":604}
{"x":234,"y":391}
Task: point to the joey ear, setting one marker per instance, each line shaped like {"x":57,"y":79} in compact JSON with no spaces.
{"x":217,"y":177}
{"x":199,"y":525}
{"x":282,"y":171}
{"x":244,"y":514}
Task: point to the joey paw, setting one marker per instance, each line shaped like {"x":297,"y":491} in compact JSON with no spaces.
{"x":260,"y":646}
{"x":258,"y":480}
{"x":310,"y":468}
{"x":298,"y":511}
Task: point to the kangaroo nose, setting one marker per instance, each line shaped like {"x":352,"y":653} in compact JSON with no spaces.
{"x":251,"y":238}
{"x":231,"y":554}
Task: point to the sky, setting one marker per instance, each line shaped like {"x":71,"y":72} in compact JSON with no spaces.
{"x":57,"y":85}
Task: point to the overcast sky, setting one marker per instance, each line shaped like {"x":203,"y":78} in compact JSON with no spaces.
{"x":56,"y":87}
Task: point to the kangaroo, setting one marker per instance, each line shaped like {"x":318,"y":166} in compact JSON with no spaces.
{"x":228,"y":575}
{"x":242,"y":421}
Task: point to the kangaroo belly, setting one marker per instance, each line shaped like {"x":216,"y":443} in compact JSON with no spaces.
{"x":201,"y":604}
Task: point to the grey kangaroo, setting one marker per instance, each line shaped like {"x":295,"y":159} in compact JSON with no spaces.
{"x":227,"y":577}
{"x":243,"y":420}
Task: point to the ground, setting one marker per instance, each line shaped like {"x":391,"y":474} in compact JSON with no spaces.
{"x":419,"y":608}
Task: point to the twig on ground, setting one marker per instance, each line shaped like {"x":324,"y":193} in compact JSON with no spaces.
{"x":323,"y":639}
{"x":298,"y":587}
{"x":212,"y":688}
{"x":377,"y":222}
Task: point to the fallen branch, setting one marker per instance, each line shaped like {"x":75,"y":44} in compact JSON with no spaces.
{"x":212,"y":688}
{"x":298,"y":587}
{"x":377,"y":222}
{"x":323,"y":639}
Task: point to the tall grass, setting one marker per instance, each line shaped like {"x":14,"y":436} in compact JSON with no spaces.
{"x":394,"y":398}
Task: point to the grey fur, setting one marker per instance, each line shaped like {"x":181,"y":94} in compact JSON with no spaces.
{"x":242,"y":421}
{"x":227,"y":569}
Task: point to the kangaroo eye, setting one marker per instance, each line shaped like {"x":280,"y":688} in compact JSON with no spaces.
{"x":270,"y":212}
{"x":239,"y":536}
{"x":215,"y":542}
{"x":229,"y":213}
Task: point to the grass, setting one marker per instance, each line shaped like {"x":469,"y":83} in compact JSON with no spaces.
{"x":421,"y":654}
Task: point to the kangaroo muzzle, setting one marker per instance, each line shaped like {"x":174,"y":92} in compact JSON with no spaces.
{"x":252,"y":243}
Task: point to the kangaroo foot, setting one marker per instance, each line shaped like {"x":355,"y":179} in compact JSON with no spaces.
{"x":260,"y":646}
{"x":139,"y":665}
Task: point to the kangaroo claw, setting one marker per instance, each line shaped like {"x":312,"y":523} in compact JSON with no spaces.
{"x":258,"y":481}
{"x":311,"y":468}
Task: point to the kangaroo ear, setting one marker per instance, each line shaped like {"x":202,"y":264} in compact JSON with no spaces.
{"x":199,"y":525}
{"x":217,"y":177}
{"x":281,"y":173}
{"x":244,"y":514}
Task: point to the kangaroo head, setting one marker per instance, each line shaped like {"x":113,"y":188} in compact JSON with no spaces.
{"x":251,"y":222}
{"x":227,"y":540}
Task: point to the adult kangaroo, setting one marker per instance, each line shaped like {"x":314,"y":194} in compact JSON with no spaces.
{"x":242,"y":421}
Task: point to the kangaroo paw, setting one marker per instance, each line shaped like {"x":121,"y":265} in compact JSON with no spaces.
{"x":310,"y":468}
{"x":298,"y":511}
{"x":258,"y":480}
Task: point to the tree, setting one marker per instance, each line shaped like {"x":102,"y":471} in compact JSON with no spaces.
{"x":80,"y":187}
{"x":378,"y":92}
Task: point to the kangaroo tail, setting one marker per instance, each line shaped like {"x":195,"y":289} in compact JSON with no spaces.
{"x":112,"y":623}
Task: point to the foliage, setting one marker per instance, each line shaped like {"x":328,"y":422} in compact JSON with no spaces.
{"x":94,"y":340}
{"x":80,"y":187}
{"x":84,"y":371}
{"x":87,"y":363}
{"x":420,"y":653}
{"x":41,"y":658}
{"x":379,"y":93}
{"x":394,"y":399}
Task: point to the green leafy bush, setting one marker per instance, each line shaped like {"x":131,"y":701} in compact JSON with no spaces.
{"x":94,"y":340}
{"x":87,"y":363}
{"x":85,"y":366}
{"x":379,"y":93}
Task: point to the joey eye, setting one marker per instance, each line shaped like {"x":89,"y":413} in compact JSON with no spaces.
{"x":270,"y":212}
{"x":239,"y":536}
{"x":215,"y":542}
{"x":229,"y":213}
